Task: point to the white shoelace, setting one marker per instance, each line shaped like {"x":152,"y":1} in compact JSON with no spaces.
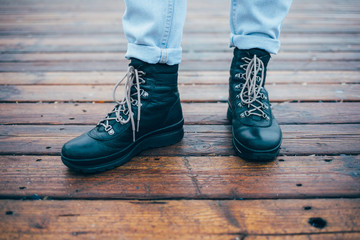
{"x":250,"y":90}
{"x":124,"y":107}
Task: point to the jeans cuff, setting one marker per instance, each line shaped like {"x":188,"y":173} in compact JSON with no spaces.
{"x":249,"y":41}
{"x":151,"y":54}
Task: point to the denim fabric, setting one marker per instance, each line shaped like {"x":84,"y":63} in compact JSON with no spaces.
{"x":257,"y":23}
{"x":154,"y":28}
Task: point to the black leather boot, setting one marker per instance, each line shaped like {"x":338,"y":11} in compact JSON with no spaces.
{"x":256,"y":133}
{"x":149,"y":116}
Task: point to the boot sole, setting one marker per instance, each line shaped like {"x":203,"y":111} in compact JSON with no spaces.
{"x":253,"y":154}
{"x":154,"y":140}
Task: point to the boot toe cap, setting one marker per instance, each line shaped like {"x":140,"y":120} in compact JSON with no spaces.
{"x":82,"y":147}
{"x":258,"y":138}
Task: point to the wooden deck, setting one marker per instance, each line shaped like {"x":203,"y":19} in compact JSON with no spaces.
{"x":58,"y":63}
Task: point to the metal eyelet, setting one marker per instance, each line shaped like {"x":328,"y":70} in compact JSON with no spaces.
{"x":109,"y":130}
{"x":247,"y":113}
{"x":265,"y":116}
{"x":145,"y":94}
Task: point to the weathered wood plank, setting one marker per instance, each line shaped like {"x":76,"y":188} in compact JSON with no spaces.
{"x":196,"y":93}
{"x":200,"y":17}
{"x":116,"y":57}
{"x":213,"y":42}
{"x":176,"y":219}
{"x":194,"y":113}
{"x":114,"y":26}
{"x":186,"y":65}
{"x":330,"y":236}
{"x":199,"y":140}
{"x":185,"y":77}
{"x":184,"y":177}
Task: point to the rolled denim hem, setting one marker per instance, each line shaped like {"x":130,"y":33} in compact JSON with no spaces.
{"x":151,"y":54}
{"x":249,"y":41}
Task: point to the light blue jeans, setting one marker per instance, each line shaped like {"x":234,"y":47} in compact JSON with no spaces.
{"x":154,"y":28}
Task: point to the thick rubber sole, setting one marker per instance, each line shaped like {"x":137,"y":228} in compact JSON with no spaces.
{"x":253,"y":154}
{"x":162,"y":139}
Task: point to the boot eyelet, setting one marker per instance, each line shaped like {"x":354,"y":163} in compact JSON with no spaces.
{"x":109,"y":130}
{"x":242,"y":115}
{"x":145,"y":94}
{"x":265,"y":116}
{"x":247,"y":113}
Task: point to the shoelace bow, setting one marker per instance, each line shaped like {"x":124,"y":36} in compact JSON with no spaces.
{"x":250,"y":90}
{"x":124,"y":107}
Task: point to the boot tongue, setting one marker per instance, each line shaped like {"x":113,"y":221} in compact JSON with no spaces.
{"x":236,"y":71}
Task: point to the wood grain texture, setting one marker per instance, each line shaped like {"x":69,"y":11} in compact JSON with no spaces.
{"x":200,"y":93}
{"x":185,"y":77}
{"x":59,"y":62}
{"x":186,"y":65}
{"x":194,"y":113}
{"x":176,"y":219}
{"x":198,"y":140}
{"x":192,"y":42}
{"x":163,"y":177}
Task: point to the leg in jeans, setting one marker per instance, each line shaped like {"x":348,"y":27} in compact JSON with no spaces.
{"x":154,"y":30}
{"x":257,"y":23}
{"x":255,"y":29}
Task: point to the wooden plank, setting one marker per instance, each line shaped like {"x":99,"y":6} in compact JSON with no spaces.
{"x":184,"y":177}
{"x":199,"y":140}
{"x":194,"y":113}
{"x":330,"y":236}
{"x":186,"y":65}
{"x":196,"y":93}
{"x":91,"y":57}
{"x":199,"y":17}
{"x":176,"y":219}
{"x":191,"y":42}
{"x":185,"y":77}
{"x":117,"y":42}
{"x":203,"y":27}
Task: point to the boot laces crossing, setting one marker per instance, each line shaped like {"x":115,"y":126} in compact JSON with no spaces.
{"x":122,"y":112}
{"x":250,"y":94}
